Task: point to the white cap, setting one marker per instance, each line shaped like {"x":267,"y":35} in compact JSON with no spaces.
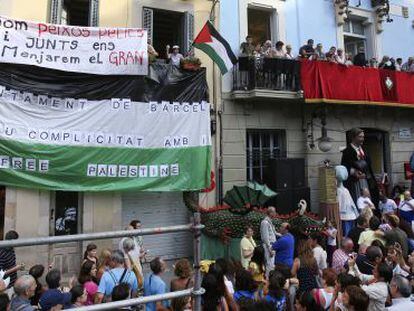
{"x":175,"y":47}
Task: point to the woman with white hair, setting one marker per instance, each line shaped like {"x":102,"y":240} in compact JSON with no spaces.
{"x":127,"y":247}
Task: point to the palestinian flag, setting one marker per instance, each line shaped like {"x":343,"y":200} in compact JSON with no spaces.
{"x":215,"y":46}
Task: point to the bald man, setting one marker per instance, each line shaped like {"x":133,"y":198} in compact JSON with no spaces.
{"x":268,"y":236}
{"x":24,"y":287}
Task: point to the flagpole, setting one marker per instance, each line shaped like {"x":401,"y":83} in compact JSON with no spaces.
{"x":218,"y":115}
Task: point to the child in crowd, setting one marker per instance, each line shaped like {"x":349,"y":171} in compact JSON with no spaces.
{"x":331,"y":233}
{"x":365,"y":204}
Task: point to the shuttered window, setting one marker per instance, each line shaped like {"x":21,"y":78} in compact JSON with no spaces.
{"x":261,"y":146}
{"x":148,"y":22}
{"x":189,"y":31}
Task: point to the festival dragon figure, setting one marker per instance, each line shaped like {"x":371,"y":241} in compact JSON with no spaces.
{"x":225,"y":223}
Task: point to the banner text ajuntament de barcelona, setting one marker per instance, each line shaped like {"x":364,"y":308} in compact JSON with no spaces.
{"x":97,"y":145}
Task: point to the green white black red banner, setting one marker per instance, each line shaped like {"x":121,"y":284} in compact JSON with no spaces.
{"x":103,"y":50}
{"x":99,"y":145}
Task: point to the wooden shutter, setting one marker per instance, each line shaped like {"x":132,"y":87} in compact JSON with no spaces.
{"x":147,"y":22}
{"x":93,"y":13}
{"x":55,"y":11}
{"x":188,"y":31}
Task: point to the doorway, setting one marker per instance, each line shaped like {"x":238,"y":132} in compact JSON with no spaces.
{"x":66,"y":219}
{"x":376,"y":144}
{"x":259,"y":25}
{"x":168,"y":29}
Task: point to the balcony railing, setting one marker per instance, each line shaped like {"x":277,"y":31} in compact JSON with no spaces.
{"x":266,"y":73}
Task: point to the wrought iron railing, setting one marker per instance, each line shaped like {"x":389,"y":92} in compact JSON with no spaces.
{"x":266,"y":73}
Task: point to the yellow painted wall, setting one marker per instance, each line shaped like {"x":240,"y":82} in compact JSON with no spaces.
{"x":35,"y":10}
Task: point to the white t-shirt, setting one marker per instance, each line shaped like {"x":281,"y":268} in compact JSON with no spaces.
{"x":320,"y":256}
{"x":176,"y":59}
{"x":135,"y":253}
{"x":331,"y":240}
{"x":407,"y":205}
{"x":363,"y":202}
{"x":388,"y":207}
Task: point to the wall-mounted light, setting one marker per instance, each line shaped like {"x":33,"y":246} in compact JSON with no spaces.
{"x":324,"y":142}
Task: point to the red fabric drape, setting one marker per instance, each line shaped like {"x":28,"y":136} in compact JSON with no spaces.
{"x":329,"y":82}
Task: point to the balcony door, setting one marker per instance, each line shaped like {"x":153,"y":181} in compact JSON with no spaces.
{"x":355,"y":36}
{"x":166,"y":27}
{"x":261,"y":24}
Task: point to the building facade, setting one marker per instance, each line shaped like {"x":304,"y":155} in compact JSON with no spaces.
{"x":34,"y":212}
{"x":261,"y":123}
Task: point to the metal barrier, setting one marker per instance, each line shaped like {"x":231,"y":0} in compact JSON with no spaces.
{"x":195,"y":227}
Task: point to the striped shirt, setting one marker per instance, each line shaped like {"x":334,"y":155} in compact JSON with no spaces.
{"x":7,"y":262}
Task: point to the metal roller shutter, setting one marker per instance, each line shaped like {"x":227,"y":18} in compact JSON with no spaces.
{"x":157,"y":209}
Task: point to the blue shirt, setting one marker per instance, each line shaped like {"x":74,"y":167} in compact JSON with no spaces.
{"x":53,"y":297}
{"x":284,"y":248}
{"x":111,"y":278}
{"x":243,"y":295}
{"x":154,"y":285}
{"x":279,"y":303}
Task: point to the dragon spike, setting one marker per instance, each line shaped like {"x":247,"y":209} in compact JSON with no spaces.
{"x":302,"y":207}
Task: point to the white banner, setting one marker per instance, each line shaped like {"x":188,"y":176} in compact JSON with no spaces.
{"x":114,"y":123}
{"x":95,"y":50}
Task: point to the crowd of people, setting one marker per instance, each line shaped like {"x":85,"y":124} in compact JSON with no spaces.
{"x":312,"y":52}
{"x":371,"y":268}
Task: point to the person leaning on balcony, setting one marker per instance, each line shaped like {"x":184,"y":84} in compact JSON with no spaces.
{"x":319,"y":53}
{"x":278,"y":51}
{"x":348,"y":60}
{"x":175,"y":57}
{"x":247,"y":48}
{"x":266,"y":50}
{"x":408,"y":66}
{"x":307,"y":50}
{"x":340,"y":57}
{"x":330,"y":55}
{"x":398,"y":64}
{"x":386,"y":63}
{"x":289,"y":53}
{"x":359,"y":59}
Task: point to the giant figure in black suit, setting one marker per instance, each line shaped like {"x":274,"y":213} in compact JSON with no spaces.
{"x":358,"y":164}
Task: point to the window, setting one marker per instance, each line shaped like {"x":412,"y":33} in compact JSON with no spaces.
{"x":66,"y":213}
{"x":77,"y":12}
{"x":168,"y":28}
{"x":259,"y":25}
{"x":354,"y":36}
{"x":261,"y":146}
{"x":74,"y":12}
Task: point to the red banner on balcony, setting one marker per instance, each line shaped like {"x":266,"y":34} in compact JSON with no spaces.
{"x":333,"y":83}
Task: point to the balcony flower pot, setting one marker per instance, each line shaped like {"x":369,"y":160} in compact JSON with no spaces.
{"x":191,"y":63}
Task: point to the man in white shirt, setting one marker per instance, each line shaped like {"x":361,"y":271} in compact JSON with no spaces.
{"x":175,"y":57}
{"x":318,"y":252}
{"x":268,"y":237}
{"x":400,"y":292}
{"x":406,"y":207}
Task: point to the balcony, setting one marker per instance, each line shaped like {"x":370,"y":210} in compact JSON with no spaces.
{"x":275,"y":78}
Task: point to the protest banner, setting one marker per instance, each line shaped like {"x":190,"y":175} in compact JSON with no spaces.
{"x":95,"y":50}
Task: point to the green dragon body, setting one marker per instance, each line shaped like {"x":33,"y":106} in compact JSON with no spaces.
{"x":221,"y":222}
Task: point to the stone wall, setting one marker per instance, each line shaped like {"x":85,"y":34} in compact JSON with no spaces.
{"x":293,"y":117}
